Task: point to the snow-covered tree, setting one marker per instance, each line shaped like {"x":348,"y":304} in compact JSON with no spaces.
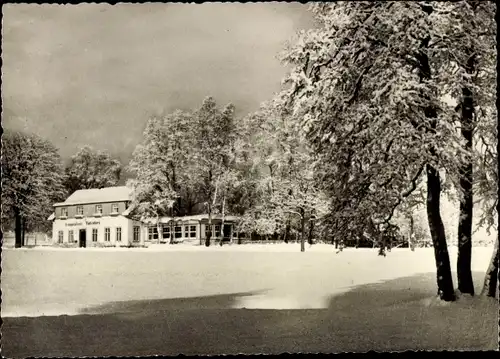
{"x":160,"y":164}
{"x":32,"y":176}
{"x":90,"y":168}
{"x":213,"y":155}
{"x":464,"y":42}
{"x":367,"y":84}
{"x":286,"y":187}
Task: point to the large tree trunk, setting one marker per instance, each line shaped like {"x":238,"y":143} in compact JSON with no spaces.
{"x":465,"y":284}
{"x":491,"y":282}
{"x":18,"y":229}
{"x":444,"y":279}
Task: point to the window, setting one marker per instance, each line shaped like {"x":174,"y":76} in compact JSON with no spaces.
{"x":94,"y":234}
{"x":107,"y":234}
{"x":79,"y":210}
{"x":118,"y":234}
{"x":186,"y":231}
{"x":152,"y":233}
{"x":136,"y":237}
{"x":166,"y":232}
{"x":217,"y":231}
{"x":60,"y":237}
{"x":71,"y":237}
{"x":192,"y":231}
{"x":178,"y":232}
{"x":98,"y":209}
{"x":114,"y":208}
{"x":64,"y":212}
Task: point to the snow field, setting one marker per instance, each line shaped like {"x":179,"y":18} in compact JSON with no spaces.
{"x":39,"y":282}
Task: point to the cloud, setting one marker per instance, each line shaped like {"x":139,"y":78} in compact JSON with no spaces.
{"x":91,"y":74}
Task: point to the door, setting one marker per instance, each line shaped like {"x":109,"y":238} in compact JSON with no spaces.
{"x":83,"y":238}
{"x":227,"y":232}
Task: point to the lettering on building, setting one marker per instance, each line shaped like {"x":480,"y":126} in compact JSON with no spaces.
{"x":74,"y":224}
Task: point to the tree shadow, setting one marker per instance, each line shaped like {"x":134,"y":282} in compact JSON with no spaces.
{"x":148,"y":306}
{"x":394,"y":315}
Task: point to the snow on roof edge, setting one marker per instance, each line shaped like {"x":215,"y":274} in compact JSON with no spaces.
{"x":196,"y":217}
{"x":97,"y":195}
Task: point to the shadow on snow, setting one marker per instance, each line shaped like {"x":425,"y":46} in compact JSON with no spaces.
{"x":394,"y":315}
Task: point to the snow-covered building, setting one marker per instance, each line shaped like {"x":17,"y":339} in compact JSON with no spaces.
{"x":103,"y":218}
{"x":96,"y":218}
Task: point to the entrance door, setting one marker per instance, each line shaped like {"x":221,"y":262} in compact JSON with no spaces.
{"x":83,"y":238}
{"x":227,"y":232}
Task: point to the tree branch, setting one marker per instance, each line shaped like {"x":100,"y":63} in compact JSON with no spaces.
{"x":357,"y":86}
{"x":405,"y":194}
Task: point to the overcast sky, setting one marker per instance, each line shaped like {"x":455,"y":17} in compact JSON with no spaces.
{"x":92,"y":74}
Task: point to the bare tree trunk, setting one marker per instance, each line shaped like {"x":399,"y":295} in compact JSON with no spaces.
{"x":287,"y":230}
{"x":302,"y":231}
{"x":382,"y":244}
{"x":214,"y":201}
{"x":238,"y":234}
{"x":464,"y":274}
{"x":491,"y":282}
{"x":172,"y":226}
{"x":23,"y":231}
{"x":222,"y":224}
{"x":157,"y":228}
{"x":311,"y":232}
{"x":411,"y":245}
{"x":209,"y":235}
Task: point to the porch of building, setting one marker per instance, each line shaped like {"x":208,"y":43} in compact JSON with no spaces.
{"x":194,"y":229}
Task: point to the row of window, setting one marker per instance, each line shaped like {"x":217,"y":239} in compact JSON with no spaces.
{"x":98,"y":210}
{"x":189,"y":231}
{"x":95,"y":233}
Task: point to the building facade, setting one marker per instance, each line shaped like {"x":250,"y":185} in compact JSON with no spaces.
{"x":102,"y":218}
{"x":96,"y":218}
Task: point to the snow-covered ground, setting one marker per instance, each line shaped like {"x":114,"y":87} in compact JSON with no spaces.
{"x":50,"y":281}
{"x":158,"y":301}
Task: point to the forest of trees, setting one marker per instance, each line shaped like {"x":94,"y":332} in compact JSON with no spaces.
{"x":388,"y":108}
{"x":368,"y":88}
{"x":34,"y":178}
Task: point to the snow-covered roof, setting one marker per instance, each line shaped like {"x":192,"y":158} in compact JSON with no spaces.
{"x":98,"y":195}
{"x":51,"y":217}
{"x":197,"y":217}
